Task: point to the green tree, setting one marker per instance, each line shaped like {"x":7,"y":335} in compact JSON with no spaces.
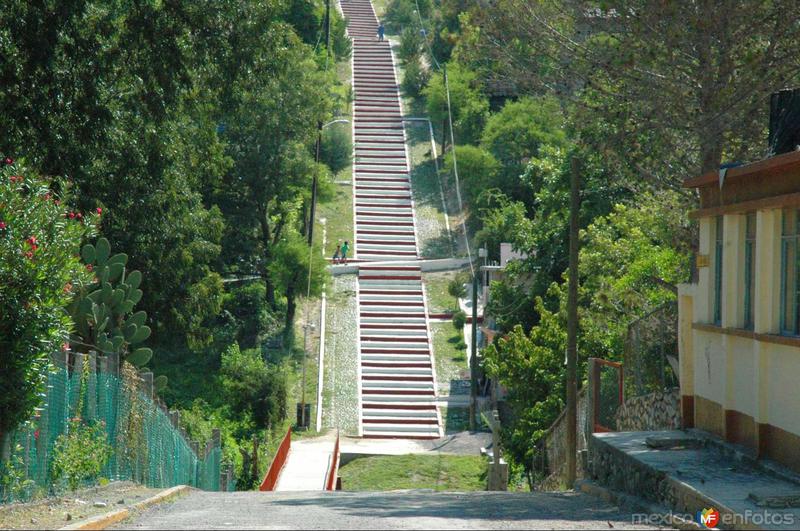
{"x":290,"y":271}
{"x":275,"y":96}
{"x":129,"y":124}
{"x":468,"y":104}
{"x":515,"y":134}
{"x":665,"y":89}
{"x":39,"y":247}
{"x":477,"y":171}
{"x":253,"y":388}
{"x":531,"y":367}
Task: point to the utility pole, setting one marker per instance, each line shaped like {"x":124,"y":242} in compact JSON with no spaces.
{"x":473,"y":357}
{"x":327,"y":29}
{"x":572,"y":321}
{"x":319,"y":126}
{"x":314,"y":185}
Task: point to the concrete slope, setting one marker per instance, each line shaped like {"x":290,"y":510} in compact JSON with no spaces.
{"x":307,"y":465}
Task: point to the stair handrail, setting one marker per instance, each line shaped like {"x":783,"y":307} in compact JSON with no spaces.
{"x":274,"y":471}
{"x":330,"y":483}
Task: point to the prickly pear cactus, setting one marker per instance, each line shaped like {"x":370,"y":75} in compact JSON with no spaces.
{"x":103,"y":310}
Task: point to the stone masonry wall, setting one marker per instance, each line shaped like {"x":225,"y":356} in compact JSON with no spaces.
{"x":655,"y":411}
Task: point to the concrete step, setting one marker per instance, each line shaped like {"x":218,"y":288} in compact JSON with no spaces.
{"x":386,"y":384}
{"x":399,"y":413}
{"x":390,"y":359}
{"x":366,"y":319}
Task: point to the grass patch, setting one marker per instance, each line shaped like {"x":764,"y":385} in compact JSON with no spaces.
{"x":439,"y":300}
{"x":437,"y":472}
{"x":451,"y":359}
{"x":338,"y":213}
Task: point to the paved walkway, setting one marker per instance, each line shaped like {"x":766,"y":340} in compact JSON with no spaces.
{"x":702,"y":475}
{"x":307,"y":465}
{"x":389,"y":510}
{"x":397,"y":384}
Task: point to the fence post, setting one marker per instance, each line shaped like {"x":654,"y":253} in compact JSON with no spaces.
{"x":195,"y":446}
{"x":216,"y":441}
{"x":81,"y":359}
{"x":591,"y":397}
{"x":91,"y":387}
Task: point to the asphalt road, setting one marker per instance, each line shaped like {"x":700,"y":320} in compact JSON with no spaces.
{"x":384,"y":510}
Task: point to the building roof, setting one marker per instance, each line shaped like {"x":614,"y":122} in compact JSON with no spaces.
{"x":769,"y":166}
{"x":770,"y":183}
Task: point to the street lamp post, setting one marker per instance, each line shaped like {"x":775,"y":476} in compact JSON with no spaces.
{"x":307,"y":326}
{"x":303,"y":419}
{"x":320,"y":127}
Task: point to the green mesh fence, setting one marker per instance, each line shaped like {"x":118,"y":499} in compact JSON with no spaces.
{"x":147,"y":447}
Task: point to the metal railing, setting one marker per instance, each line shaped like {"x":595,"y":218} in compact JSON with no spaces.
{"x":274,"y":471}
{"x":333,"y":469}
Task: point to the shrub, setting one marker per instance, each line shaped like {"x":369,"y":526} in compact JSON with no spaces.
{"x":415,"y":78}
{"x":254,"y":319}
{"x":253,"y":387}
{"x":459,"y":319}
{"x":341,"y":44}
{"x":14,"y":483}
{"x":39,"y":264}
{"x":336,"y":150}
{"x":81,"y":453}
{"x":456,"y":288}
{"x":410,"y":45}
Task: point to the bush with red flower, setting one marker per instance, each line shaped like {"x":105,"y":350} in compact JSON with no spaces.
{"x":39,"y":256}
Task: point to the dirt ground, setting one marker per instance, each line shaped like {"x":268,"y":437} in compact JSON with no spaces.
{"x":53,"y":513}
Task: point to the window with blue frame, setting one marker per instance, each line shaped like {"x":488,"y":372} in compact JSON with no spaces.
{"x":718,"y":270}
{"x":749,"y":269}
{"x":789,"y":270}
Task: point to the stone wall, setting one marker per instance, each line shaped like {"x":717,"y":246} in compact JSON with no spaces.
{"x":655,"y":411}
{"x":551,"y":455}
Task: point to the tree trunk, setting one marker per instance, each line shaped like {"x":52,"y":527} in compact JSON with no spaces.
{"x":266,"y":240}
{"x":711,"y":152}
{"x":5,"y":447}
{"x":291,"y":308}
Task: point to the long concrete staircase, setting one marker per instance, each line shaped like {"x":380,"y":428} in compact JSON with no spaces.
{"x":397,"y":388}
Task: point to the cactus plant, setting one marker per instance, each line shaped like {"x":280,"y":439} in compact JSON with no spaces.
{"x":103,"y":310}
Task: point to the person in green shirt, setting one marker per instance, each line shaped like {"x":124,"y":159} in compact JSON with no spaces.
{"x":345,"y":248}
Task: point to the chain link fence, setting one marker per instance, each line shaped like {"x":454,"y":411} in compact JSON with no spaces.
{"x":651,"y":352}
{"x":147,"y":444}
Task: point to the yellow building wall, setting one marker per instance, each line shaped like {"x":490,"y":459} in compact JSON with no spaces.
{"x":743,"y":385}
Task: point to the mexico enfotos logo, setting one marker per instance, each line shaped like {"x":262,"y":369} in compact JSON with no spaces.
{"x":711,"y":518}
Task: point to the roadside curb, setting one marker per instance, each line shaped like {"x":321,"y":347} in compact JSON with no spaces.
{"x":103,"y":521}
{"x":667,"y":517}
